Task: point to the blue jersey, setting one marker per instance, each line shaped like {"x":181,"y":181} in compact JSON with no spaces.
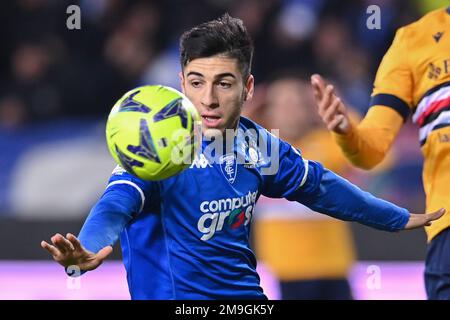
{"x":187,"y":237}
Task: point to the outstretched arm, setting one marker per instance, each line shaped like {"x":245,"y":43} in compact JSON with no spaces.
{"x":337,"y":197}
{"x":307,"y":182}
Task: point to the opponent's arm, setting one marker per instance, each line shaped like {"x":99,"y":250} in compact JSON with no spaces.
{"x":367,"y":143}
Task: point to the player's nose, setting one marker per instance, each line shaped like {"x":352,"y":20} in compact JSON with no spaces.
{"x":209,"y":97}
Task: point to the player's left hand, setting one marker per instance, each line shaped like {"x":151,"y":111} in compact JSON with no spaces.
{"x":421,"y":220}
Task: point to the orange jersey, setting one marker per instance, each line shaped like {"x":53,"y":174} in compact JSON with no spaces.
{"x":412,"y":79}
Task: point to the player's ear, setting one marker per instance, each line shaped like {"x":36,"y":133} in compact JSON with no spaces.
{"x":249,"y":88}
{"x":180,"y":75}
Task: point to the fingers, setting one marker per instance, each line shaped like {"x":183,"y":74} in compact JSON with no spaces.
{"x":335,"y":124}
{"x":332,"y":110}
{"x":317,"y":92}
{"x":420,"y":220}
{"x":435,"y":215}
{"x":106,"y":251}
{"x":62,"y":243}
{"x":323,"y":93}
{"x":75,"y":242}
{"x":97,"y":259}
{"x":326,"y":101}
{"x":53,"y":251}
{"x":330,"y":107}
{"x":318,"y":82}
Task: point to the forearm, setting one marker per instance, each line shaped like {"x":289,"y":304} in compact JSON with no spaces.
{"x":107,"y":219}
{"x":338,"y":198}
{"x":366,"y":144}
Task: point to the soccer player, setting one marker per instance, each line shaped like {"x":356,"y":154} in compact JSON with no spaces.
{"x":187,"y":237}
{"x":413,"y":79}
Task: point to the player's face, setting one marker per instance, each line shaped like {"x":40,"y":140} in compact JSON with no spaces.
{"x":216,"y":87}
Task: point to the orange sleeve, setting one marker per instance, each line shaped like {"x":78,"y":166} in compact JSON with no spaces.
{"x":393,"y":86}
{"x":367,"y":144}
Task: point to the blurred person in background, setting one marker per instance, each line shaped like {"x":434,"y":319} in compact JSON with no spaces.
{"x":309,"y":253}
{"x":32,"y":93}
{"x":412,"y":79}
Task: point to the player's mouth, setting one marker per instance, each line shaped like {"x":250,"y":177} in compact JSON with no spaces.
{"x":211,"y":121}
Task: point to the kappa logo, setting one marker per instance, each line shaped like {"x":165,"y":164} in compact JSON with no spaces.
{"x":200,"y":162}
{"x":228,"y":165}
{"x":118,"y":170}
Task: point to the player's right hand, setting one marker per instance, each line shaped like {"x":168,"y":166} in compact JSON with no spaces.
{"x":421,"y":220}
{"x":68,"y":251}
{"x":330,"y":107}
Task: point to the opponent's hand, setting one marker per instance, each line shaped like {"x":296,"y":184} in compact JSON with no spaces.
{"x":68,"y":251}
{"x":330,"y":107}
{"x":420,"y":220}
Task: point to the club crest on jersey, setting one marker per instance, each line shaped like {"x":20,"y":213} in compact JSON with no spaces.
{"x":228,"y":166}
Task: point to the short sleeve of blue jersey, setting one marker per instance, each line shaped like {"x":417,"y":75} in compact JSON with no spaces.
{"x":291,"y":172}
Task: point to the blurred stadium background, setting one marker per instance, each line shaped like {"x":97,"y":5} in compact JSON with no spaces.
{"x":58,"y":85}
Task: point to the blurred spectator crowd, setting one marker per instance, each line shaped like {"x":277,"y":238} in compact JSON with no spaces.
{"x":50,"y":74}
{"x":48,"y":71}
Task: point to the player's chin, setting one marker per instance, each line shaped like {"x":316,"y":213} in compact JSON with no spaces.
{"x":210,"y":132}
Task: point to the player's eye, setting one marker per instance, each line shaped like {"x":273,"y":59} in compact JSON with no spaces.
{"x":224,"y":85}
{"x":196,"y":83}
